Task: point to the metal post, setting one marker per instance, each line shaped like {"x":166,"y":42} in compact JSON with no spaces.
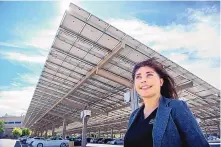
{"x":85,"y":114}
{"x":64,"y":129}
{"x":46,"y":133}
{"x":33,"y":133}
{"x":112,"y":133}
{"x":53,"y":128}
{"x":84,"y":132}
{"x":134,"y":99}
{"x":99,"y":133}
{"x":41,"y":133}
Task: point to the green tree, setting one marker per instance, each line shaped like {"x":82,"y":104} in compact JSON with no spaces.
{"x":2,"y":126}
{"x":26,"y":132}
{"x":49,"y":134}
{"x":17,"y":132}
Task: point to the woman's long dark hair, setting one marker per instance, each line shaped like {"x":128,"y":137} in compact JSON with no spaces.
{"x":168,"y":89}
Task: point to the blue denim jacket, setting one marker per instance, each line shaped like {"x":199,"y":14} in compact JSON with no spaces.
{"x":174,"y":125}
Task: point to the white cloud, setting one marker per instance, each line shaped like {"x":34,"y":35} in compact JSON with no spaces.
{"x":200,"y":36}
{"x":9,"y":44}
{"x":201,"y":68}
{"x":15,"y":99}
{"x":14,"y":56}
{"x":37,"y":37}
{"x":65,"y":4}
{"x":41,"y":40}
{"x":31,"y":79}
{"x":15,"y":102}
{"x":177,"y":57}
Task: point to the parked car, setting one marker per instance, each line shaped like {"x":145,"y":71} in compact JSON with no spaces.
{"x":24,"y":139}
{"x":109,"y":142}
{"x":30,"y":140}
{"x":93,"y":140}
{"x":117,"y":142}
{"x":105,"y":140}
{"x":213,"y":144}
{"x":98,"y":140}
{"x":210,"y":138}
{"x":53,"y":141}
{"x":89,"y":139}
{"x":77,"y":141}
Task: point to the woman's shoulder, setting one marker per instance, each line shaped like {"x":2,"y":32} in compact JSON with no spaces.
{"x":135,"y":111}
{"x":176,"y":103}
{"x":179,"y":107}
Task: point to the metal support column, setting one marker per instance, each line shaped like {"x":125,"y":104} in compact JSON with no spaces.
{"x":112,"y":133}
{"x":46,"y":133}
{"x":41,"y":133}
{"x":134,"y":104}
{"x":64,"y":129}
{"x":99,"y":133}
{"x":85,"y":116}
{"x":53,"y":128}
{"x":33,"y":133}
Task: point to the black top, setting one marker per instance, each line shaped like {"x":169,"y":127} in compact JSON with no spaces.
{"x":140,"y":133}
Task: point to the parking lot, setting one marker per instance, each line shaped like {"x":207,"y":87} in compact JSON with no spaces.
{"x":16,"y":143}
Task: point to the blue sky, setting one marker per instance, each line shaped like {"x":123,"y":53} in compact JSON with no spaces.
{"x":186,"y":32}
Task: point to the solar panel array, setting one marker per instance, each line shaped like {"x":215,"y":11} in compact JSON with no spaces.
{"x":79,"y":73}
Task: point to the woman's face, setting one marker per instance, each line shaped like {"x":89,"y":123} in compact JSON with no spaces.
{"x":147,"y":82}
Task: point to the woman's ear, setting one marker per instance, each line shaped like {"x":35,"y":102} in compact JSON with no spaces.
{"x":161,"y":82}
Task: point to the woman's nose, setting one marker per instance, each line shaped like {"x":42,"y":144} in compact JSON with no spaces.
{"x":143,"y":80}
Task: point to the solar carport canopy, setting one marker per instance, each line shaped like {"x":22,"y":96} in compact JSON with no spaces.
{"x":89,"y":66}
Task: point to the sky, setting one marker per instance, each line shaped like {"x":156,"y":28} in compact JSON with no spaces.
{"x":187,"y":33}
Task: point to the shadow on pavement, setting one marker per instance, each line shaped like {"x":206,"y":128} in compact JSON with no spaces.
{"x":17,"y":144}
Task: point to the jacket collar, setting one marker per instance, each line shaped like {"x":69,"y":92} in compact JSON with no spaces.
{"x":160,"y":121}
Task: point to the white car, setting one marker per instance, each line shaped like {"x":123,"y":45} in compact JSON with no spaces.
{"x":30,"y":140}
{"x":52,"y":142}
{"x":117,"y":142}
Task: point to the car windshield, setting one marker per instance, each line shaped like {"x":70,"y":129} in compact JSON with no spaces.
{"x":37,"y":138}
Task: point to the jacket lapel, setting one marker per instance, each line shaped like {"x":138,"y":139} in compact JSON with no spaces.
{"x":134,"y":117}
{"x":161,"y":121}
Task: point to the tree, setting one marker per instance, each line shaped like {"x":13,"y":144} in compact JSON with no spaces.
{"x":17,"y":132}
{"x":26,"y":132}
{"x":49,"y":134}
{"x":2,"y":126}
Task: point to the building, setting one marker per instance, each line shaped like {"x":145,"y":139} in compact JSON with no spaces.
{"x":11,"y":122}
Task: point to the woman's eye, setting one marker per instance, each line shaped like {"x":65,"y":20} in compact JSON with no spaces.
{"x":138,"y":77}
{"x":149,"y":75}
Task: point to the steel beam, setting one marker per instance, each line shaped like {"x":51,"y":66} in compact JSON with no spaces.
{"x":115,"y":51}
{"x":113,"y":77}
{"x":73,"y":104}
{"x":59,"y":115}
{"x":184,"y":86}
{"x":211,"y":117}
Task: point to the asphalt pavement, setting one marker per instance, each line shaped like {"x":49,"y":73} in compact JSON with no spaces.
{"x":11,"y":143}
{"x":16,"y":143}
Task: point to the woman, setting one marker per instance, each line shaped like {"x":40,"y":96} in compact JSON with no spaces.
{"x":162,"y":120}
